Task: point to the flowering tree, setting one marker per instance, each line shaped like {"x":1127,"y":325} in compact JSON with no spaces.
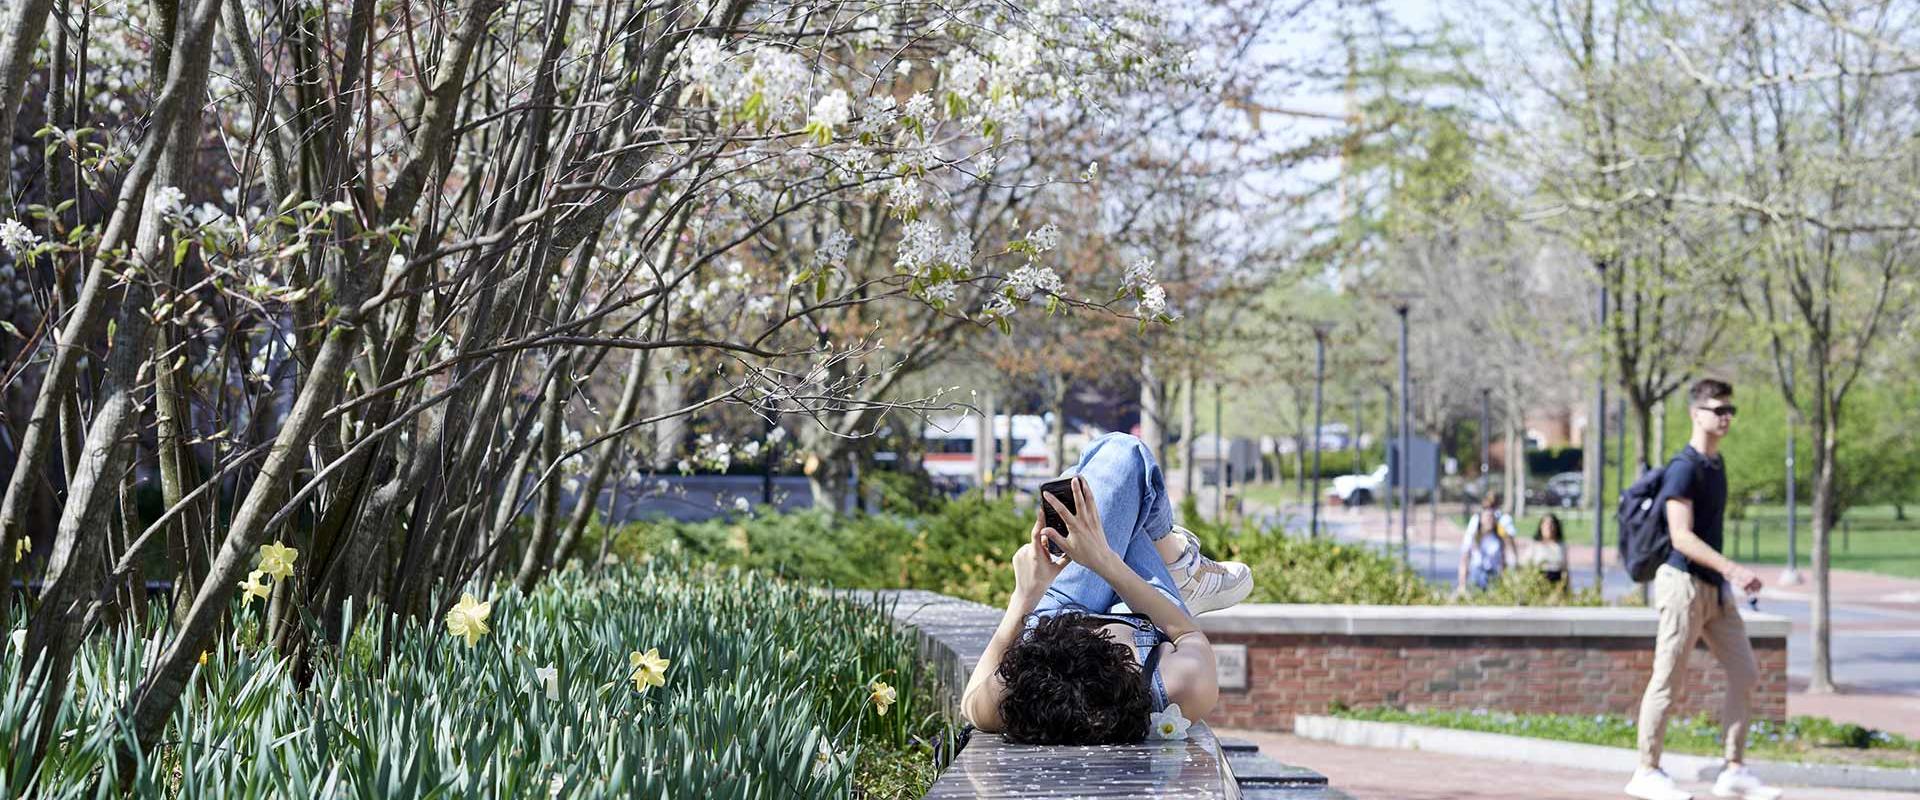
{"x":369,"y":293}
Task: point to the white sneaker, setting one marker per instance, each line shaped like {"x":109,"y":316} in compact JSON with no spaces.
{"x":1741,"y":782}
{"x":1653,"y":784}
{"x":1206,"y":584}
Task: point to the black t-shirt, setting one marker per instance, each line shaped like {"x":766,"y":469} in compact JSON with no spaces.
{"x":1703,"y":480}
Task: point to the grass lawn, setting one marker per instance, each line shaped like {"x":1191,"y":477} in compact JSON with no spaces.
{"x":1876,"y":541}
{"x":1801,"y":738}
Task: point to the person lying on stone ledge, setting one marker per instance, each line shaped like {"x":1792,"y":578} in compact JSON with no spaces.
{"x":1063,"y":667}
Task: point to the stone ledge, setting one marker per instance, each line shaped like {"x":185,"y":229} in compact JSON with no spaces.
{"x":953,"y":633}
{"x":1276,"y":618}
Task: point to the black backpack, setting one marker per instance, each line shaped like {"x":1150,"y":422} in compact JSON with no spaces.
{"x":1644,"y":544}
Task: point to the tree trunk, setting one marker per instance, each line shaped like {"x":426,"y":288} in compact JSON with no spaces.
{"x":90,"y":308}
{"x":1058,"y":431}
{"x":74,"y":598}
{"x":1013,"y":458}
{"x":1643,"y":419}
{"x":986,"y":445}
{"x":1152,"y":428}
{"x":1188,"y":416}
{"x":1826,"y":428}
{"x":22,"y":35}
{"x":669,"y":392}
{"x":153,"y":702}
{"x":546,"y":514}
{"x":1659,"y":432}
{"x":604,"y":462}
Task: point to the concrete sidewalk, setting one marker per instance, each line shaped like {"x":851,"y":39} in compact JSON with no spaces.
{"x":1370,"y":774}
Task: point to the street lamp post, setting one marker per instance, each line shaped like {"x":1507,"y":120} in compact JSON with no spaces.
{"x":1386,"y":453}
{"x":1319,"y":380}
{"x":1400,"y":308}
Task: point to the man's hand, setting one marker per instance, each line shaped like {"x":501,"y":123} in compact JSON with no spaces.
{"x":1033,"y":568}
{"x":1085,"y":540}
{"x":1743,"y":579}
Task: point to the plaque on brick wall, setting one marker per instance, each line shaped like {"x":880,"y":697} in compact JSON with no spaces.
{"x":1231,"y":662}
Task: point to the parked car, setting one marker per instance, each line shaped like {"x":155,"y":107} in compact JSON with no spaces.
{"x":1359,"y":490}
{"x":1565,"y":489}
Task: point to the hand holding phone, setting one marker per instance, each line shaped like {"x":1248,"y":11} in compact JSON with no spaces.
{"x":1061,"y":490}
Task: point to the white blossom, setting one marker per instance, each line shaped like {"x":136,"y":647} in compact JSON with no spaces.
{"x":942,"y":293}
{"x":1153,"y":300}
{"x":1139,"y":274}
{"x":168,"y":199}
{"x":741,"y":505}
{"x":833,"y":248}
{"x":919,"y":108}
{"x":1045,"y":237}
{"x":17,"y":238}
{"x":1029,"y":280}
{"x":832,"y":110}
{"x":920,"y":247}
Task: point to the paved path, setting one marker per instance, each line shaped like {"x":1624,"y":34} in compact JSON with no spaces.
{"x":1370,"y":774}
{"x":1876,"y":618}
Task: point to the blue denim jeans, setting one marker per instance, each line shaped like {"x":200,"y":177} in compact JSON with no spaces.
{"x":1132,"y":497}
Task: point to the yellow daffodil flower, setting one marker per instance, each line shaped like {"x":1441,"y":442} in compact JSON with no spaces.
{"x":203,"y":658}
{"x":649,"y":669}
{"x":277,"y":559}
{"x":21,"y":548}
{"x":883,"y":696}
{"x":469,"y":618}
{"x":252,"y":588}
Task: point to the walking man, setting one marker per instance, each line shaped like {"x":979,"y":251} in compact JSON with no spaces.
{"x":1694,"y":593}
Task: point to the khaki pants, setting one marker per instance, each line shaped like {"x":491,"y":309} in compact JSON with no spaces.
{"x":1689,"y":609}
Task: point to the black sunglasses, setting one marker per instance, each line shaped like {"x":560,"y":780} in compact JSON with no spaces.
{"x":1722,"y":411}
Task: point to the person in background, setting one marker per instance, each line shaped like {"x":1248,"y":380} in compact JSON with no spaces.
{"x":1488,"y":547}
{"x":1548,"y":552}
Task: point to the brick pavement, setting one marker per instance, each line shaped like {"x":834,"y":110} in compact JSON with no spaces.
{"x":1370,"y":774}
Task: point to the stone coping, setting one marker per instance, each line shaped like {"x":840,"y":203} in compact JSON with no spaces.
{"x":952,"y":634}
{"x":1278,"y":618}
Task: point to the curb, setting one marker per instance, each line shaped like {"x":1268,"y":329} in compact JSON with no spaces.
{"x":1402,"y":736}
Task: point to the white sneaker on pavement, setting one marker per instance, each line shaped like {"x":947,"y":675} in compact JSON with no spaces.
{"x":1653,"y":784}
{"x":1206,"y":584}
{"x":1741,"y":782}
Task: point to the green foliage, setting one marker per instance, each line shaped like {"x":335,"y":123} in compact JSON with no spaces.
{"x":1800,"y":738}
{"x":766,"y":697}
{"x":961,"y":547}
{"x":1291,"y":569}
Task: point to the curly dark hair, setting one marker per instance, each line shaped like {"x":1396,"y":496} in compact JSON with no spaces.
{"x":1067,"y":683}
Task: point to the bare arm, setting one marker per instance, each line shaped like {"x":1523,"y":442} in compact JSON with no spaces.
{"x":1680,"y":531}
{"x":1033,"y":572}
{"x":1192,"y":679}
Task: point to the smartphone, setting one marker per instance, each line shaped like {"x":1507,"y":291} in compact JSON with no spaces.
{"x":1062,"y":490}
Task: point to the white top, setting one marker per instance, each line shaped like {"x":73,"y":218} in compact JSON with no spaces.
{"x":1544,"y":555}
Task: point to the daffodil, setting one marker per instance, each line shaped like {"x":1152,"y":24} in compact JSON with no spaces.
{"x":21,"y":548}
{"x":549,"y":678}
{"x":1168,"y":724}
{"x":469,"y":618}
{"x":277,"y":559}
{"x":883,"y":696}
{"x":252,"y":587}
{"x":649,"y":669}
{"x":203,"y":658}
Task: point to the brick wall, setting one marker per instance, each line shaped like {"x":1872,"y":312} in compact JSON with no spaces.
{"x":1304,"y":673}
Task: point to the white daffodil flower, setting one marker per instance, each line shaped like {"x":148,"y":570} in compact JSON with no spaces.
{"x":1169,"y":724}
